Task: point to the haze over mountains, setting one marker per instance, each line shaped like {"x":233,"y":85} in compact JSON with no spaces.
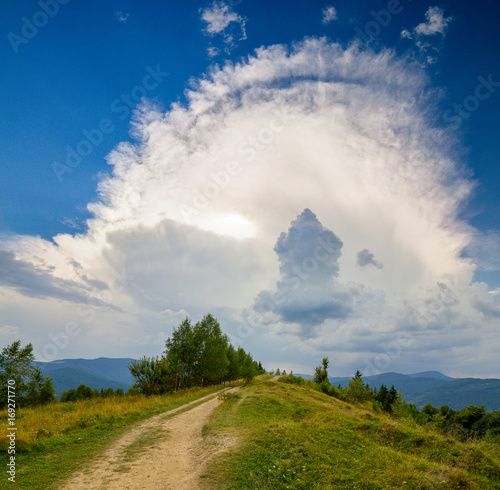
{"x":98,"y":373}
{"x":435,"y":388}
{"x":418,"y":388}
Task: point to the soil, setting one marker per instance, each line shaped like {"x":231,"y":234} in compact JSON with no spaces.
{"x":162,"y":452}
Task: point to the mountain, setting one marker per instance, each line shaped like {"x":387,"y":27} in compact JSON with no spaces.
{"x":65,"y":378}
{"x":431,"y":374}
{"x":459,"y":393}
{"x":407,"y":383}
{"x":98,"y":373}
{"x":435,"y":388}
{"x":114,"y":369}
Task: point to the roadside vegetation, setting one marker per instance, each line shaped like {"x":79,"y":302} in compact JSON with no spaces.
{"x":195,"y":355}
{"x":470,"y":423}
{"x":53,"y":440}
{"x":26,"y":382}
{"x":291,"y":435}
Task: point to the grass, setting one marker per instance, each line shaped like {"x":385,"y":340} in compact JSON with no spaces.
{"x":53,"y":441}
{"x":290,"y":436}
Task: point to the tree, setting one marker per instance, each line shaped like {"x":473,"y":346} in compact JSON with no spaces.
{"x":195,"y":355}
{"x":321,"y":372}
{"x":152,"y":375}
{"x":248,"y":370}
{"x":233,"y":368}
{"x":84,"y":392}
{"x":393,"y":394}
{"x":356,"y":389}
{"x":180,"y":351}
{"x":40,"y":390}
{"x":47,"y":392}
{"x":107,"y":392}
{"x":31,"y":387}
{"x":211,"y":362}
{"x":69,"y":396}
{"x":470,"y":415}
{"x":383,"y":397}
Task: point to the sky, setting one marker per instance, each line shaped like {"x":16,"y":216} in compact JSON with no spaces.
{"x":322,"y":176}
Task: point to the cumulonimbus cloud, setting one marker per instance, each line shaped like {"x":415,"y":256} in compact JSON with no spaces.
{"x":348,"y":133}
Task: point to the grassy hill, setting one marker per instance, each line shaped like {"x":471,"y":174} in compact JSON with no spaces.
{"x":435,"y":388}
{"x":55,"y":440}
{"x":278,"y":436}
{"x":290,"y":436}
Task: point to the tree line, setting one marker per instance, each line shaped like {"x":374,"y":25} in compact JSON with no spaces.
{"x":83,"y":392}
{"x":30,"y":386}
{"x":195,"y":355}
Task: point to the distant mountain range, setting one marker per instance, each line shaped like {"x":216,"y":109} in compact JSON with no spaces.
{"x":419,"y":388}
{"x":98,"y":373}
{"x":435,"y":388}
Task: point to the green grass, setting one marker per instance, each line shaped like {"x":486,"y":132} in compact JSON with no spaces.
{"x":54,"y":441}
{"x":290,"y":436}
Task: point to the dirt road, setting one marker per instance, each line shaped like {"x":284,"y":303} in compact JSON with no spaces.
{"x":162,"y":452}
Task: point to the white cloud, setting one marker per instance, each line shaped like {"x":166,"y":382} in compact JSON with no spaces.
{"x":220,"y":19}
{"x":122,"y":16}
{"x":406,"y":34}
{"x":9,"y":331}
{"x":189,"y":219}
{"x":212,"y":51}
{"x":484,"y":248}
{"x":329,"y":14}
{"x":436,"y":22}
{"x":424,"y":35}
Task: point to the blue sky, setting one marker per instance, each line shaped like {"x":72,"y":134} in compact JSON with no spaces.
{"x":168,"y":93}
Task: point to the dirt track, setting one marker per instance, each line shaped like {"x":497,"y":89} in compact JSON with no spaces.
{"x":171,"y":456}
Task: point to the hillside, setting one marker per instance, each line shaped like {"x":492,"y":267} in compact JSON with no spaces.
{"x":460,"y":393}
{"x":435,"y":388}
{"x":270,"y":435}
{"x":290,"y":436}
{"x":98,"y":373}
{"x":115,"y":369}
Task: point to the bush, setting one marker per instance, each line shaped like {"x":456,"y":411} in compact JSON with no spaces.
{"x":327,"y":388}
{"x":292,"y":379}
{"x":357,"y":391}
